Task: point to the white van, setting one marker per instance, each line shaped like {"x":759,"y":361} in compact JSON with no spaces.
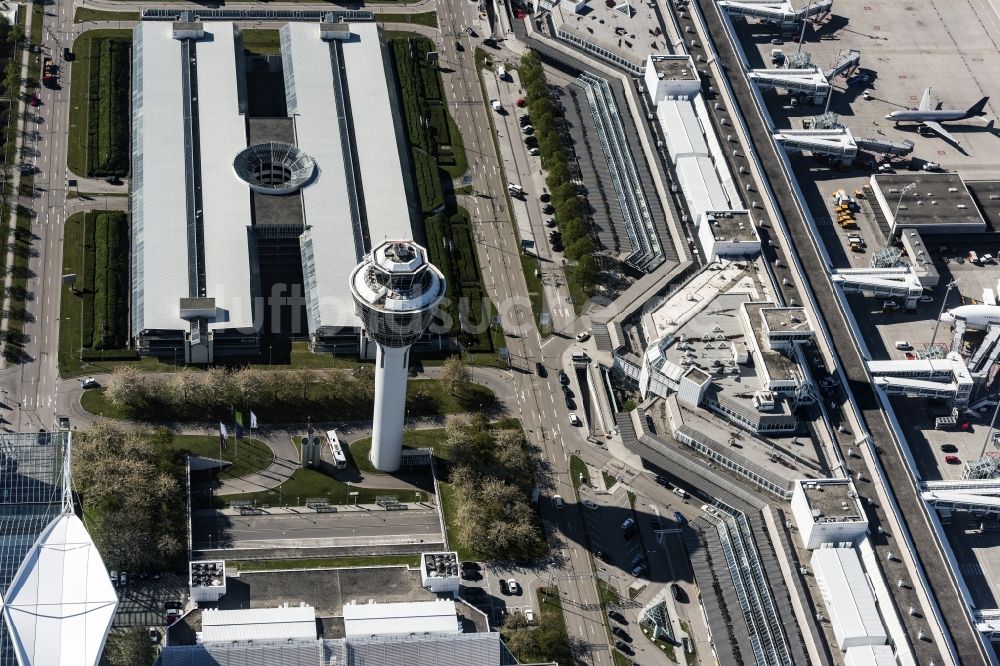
{"x":903,"y":345}
{"x":680,"y":492}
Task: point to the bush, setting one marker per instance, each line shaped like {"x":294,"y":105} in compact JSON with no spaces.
{"x":107,"y":117}
{"x":110,"y":281}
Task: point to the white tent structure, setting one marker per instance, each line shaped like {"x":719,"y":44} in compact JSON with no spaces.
{"x":60,"y":604}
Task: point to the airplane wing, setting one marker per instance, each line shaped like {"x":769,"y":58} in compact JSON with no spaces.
{"x":940,"y":131}
{"x":925,"y":102}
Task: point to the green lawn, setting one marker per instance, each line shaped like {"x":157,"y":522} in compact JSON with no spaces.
{"x":576,"y":291}
{"x":83,"y":14}
{"x":536,"y":292}
{"x":84,"y":105}
{"x":428,"y":19}
{"x":425,"y":397}
{"x":578,"y":469}
{"x":312,"y":483}
{"x":248,"y":457}
{"x":609,"y":480}
{"x":450,"y":509}
{"x":411,"y":561}
{"x":607,"y":593}
{"x":432,"y":438}
{"x":262,"y":42}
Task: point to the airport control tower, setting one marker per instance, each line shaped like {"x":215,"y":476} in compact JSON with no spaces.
{"x":395,"y":290}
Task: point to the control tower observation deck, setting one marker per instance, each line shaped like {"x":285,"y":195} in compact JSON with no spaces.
{"x":396,"y":290}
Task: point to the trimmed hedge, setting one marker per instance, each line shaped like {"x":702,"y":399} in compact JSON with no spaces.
{"x":107,"y":117}
{"x":110,"y":281}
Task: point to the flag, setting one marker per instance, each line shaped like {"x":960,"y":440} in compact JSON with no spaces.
{"x":239,"y":431}
{"x":223,"y":434}
{"x":239,"y":419}
{"x":253,"y":421}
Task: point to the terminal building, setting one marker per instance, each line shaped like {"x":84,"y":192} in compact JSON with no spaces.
{"x":724,"y":228}
{"x":828,"y":511}
{"x":931,"y":203}
{"x":258,"y":185}
{"x":746,"y":368}
{"x":412,"y":633}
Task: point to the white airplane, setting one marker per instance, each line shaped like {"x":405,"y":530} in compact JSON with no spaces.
{"x":975,"y":316}
{"x":932,"y":118}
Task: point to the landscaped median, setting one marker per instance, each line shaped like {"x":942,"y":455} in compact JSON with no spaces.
{"x":275,"y":396}
{"x":99,"y":104}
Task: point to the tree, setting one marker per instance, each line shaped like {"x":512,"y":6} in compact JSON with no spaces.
{"x":132,"y":489}
{"x":580,"y":248}
{"x":586,"y":273}
{"x":456,"y":375}
{"x":125,"y":387}
{"x":131,"y":648}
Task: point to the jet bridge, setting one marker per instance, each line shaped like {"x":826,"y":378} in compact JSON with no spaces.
{"x":988,"y":352}
{"x":884,"y":146}
{"x":809,"y":81}
{"x":899,"y":282}
{"x":835,"y":143}
{"x":980,"y":496}
{"x":945,"y":378}
{"x":846,"y":64}
{"x":778,"y":12}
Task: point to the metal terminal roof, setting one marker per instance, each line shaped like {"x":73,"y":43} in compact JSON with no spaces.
{"x":159,"y":211}
{"x":376,"y":138}
{"x":225,"y":197}
{"x":848,"y":595}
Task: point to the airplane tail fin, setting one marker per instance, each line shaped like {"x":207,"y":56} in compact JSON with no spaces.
{"x":977,"y":109}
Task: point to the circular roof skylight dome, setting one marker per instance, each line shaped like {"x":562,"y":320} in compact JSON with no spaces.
{"x":274,"y":168}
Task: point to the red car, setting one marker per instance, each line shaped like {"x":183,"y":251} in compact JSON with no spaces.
{"x":910,"y":356}
{"x":952,"y":460}
{"x":34,"y":100}
{"x":520,"y":102}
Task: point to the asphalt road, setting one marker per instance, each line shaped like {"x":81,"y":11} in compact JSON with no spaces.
{"x":304,"y":528}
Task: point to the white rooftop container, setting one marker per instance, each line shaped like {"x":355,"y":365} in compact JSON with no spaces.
{"x":870,"y":655}
{"x":848,"y":595}
{"x":258,"y":624}
{"x":409,"y":617}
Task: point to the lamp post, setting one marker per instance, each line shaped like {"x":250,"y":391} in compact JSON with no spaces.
{"x":944,"y":303}
{"x":895,"y":211}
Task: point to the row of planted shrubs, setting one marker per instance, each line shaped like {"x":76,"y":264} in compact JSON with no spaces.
{"x":107,"y":119}
{"x":111,"y":254}
{"x":571,"y":212}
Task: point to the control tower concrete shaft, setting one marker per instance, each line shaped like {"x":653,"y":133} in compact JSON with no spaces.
{"x":395,"y":290}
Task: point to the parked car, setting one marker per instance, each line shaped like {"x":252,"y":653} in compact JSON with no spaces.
{"x":504,"y":587}
{"x":544,"y":197}
{"x":567,"y":391}
{"x":563,"y":377}
{"x":474,"y":566}
{"x":602,"y":556}
{"x":154,"y":635}
{"x":662,"y":481}
{"x":583,"y":337}
{"x":557,"y":500}
{"x":64,"y":423}
{"x":677,"y":592}
{"x":622,"y":646}
{"x":679,"y":518}
{"x":68,"y":54}
{"x":574,"y":420}
{"x":550,"y":222}
{"x":528,"y":129}
{"x":548,"y":209}
{"x":570,"y":404}
{"x":622,"y":634}
{"x":89,"y":383}
{"x":617,"y":617}
{"x":471,"y":574}
{"x":591,"y":504}
{"x":513,"y":586}
{"x":949,"y":448}
{"x":540,"y":370}
{"x":952,"y":460}
{"x":534,"y":152}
